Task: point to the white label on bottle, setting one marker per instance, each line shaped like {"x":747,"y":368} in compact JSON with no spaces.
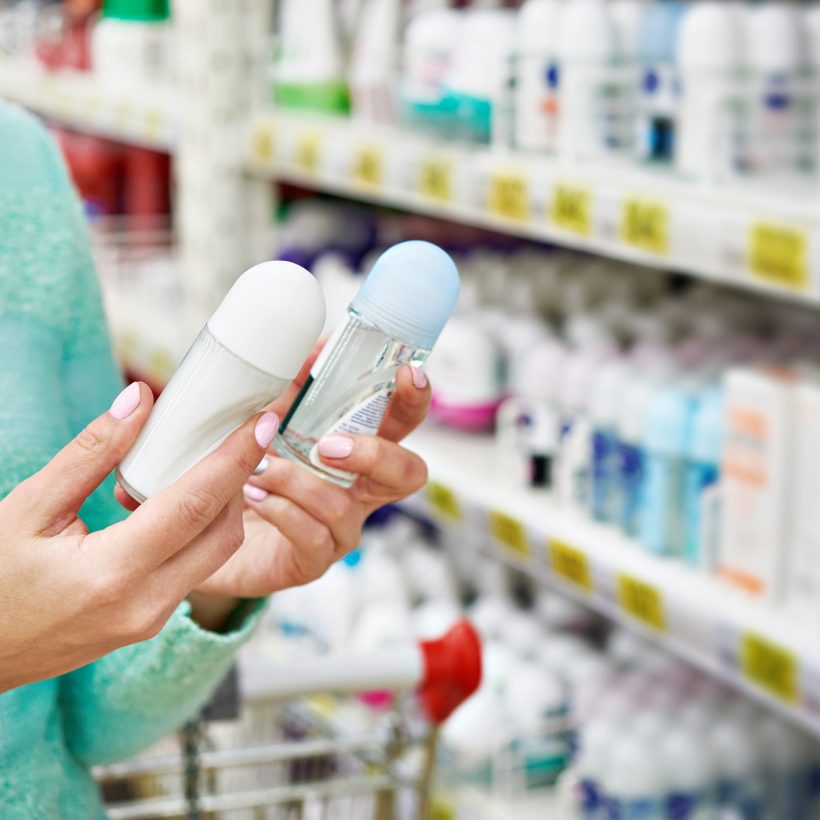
{"x":363,"y":420}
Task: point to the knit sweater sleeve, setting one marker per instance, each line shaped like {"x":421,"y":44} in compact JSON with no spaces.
{"x":120,"y":704}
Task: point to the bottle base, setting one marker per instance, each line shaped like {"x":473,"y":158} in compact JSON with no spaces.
{"x":285,"y":450}
{"x":135,"y":494}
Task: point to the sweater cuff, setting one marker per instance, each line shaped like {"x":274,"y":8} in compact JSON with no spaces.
{"x":241,"y":624}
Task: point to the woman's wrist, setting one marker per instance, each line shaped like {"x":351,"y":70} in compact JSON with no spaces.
{"x":211,"y":612}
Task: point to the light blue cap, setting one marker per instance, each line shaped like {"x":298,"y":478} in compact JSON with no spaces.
{"x":410,"y":293}
{"x":708,"y":427}
{"x":669,"y":421}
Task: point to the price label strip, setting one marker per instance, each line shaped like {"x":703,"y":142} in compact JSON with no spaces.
{"x":509,"y":196}
{"x":779,"y":255}
{"x":263,"y":144}
{"x":571,"y":209}
{"x":307,"y":154}
{"x":645,"y":225}
{"x":642,"y":601}
{"x":443,"y":502}
{"x":436,"y":179}
{"x":769,"y":667}
{"x":570,"y":564}
{"x":368,"y":165}
{"x":510,"y":533}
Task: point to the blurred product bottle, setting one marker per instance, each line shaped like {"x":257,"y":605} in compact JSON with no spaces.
{"x":96,"y":170}
{"x":537,"y":92}
{"x":146,"y":186}
{"x":63,"y":34}
{"x":309,"y":68}
{"x":790,"y":761}
{"x":781,"y":116}
{"x":394,"y":319}
{"x":133,"y":44}
{"x":476,"y":86}
{"x":595,"y":94}
{"x":430,"y":41}
{"x":688,"y":774}
{"x":710,"y":59}
{"x":374,"y":61}
{"x":658,"y":90}
{"x":633,"y":784}
{"x":627,"y":16}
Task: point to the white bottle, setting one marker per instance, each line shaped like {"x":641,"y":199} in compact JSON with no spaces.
{"x":633,"y":780}
{"x":244,"y":358}
{"x":688,"y":773}
{"x":790,"y":761}
{"x":594,"y":118}
{"x":393,"y":320}
{"x":594,"y":742}
{"x":537,"y":93}
{"x":710,"y":61}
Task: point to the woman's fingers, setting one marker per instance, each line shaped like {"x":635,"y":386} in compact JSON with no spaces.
{"x":333,"y":506}
{"x":52,"y":496}
{"x":169,"y":520}
{"x":283,"y":403}
{"x":409,"y":405}
{"x":388,"y":469}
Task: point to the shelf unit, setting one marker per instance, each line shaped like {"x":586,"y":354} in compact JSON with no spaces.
{"x":752,"y":646}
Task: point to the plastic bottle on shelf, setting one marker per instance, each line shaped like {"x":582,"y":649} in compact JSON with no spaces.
{"x":394,"y":319}
{"x":688,"y":774}
{"x":701,"y":493}
{"x":374,"y":61}
{"x":132,"y":44}
{"x":789,"y":756}
{"x":245,"y":356}
{"x":537,"y":92}
{"x":711,"y":63}
{"x":594,"y":743}
{"x":657,"y":98}
{"x":594,"y":120}
{"x":309,"y":73}
{"x":781,"y":125}
{"x":633,"y":780}
{"x":627,"y":16}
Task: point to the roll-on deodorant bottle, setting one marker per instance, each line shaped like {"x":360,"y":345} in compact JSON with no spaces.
{"x":394,"y":319}
{"x":245,"y":356}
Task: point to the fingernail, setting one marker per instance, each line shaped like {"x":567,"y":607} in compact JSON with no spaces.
{"x":419,"y":377}
{"x":254,"y":493}
{"x":266,"y":429}
{"x":127,"y":402}
{"x":262,"y":466}
{"x":336,"y":446}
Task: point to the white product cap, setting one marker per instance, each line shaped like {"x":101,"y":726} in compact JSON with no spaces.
{"x":811,"y":16}
{"x":271,"y":317}
{"x":410,"y":293}
{"x":538,"y":23}
{"x":633,"y":769}
{"x":522,"y":632}
{"x":710,"y":37}
{"x":776,"y":41}
{"x":533,"y":698}
{"x":627,"y":16}
{"x":587,"y":32}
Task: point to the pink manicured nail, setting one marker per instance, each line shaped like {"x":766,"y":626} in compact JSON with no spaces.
{"x":254,"y":493}
{"x":419,"y":377}
{"x":336,"y":446}
{"x":266,"y":429}
{"x":127,"y":402}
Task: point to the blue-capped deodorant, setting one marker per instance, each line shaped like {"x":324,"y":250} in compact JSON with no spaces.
{"x":394,"y":319}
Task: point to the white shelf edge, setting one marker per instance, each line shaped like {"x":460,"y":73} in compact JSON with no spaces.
{"x":706,"y":620}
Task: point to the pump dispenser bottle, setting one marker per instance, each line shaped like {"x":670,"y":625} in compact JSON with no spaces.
{"x":246,"y":355}
{"x":394,"y":319}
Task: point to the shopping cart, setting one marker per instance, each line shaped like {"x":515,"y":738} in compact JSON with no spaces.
{"x":327,"y":757}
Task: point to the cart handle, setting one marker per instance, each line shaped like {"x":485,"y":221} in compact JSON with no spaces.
{"x":452,"y":671}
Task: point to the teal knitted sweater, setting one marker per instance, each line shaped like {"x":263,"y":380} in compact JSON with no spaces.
{"x":57,"y":374}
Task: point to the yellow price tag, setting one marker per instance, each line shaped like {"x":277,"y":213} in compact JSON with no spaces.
{"x":308,"y":152}
{"x":153,"y":125}
{"x":645,"y":225}
{"x":368,"y":165}
{"x":571,"y":209}
{"x":436,"y":179}
{"x":442,"y":808}
{"x":779,"y":255}
{"x":769,"y":666}
{"x":570,"y":564}
{"x":641,"y":601}
{"x":510,"y":533}
{"x":509,"y":196}
{"x":323,"y":705}
{"x":263,"y":144}
{"x":443,"y":501}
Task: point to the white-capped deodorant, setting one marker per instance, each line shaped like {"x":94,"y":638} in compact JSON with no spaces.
{"x":394,"y":319}
{"x":245,"y":356}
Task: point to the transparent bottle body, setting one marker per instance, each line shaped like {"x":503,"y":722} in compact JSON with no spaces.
{"x":212,"y":392}
{"x":348,"y":391}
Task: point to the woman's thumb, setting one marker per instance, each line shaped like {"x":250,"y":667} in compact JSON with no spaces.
{"x":55,"y":494}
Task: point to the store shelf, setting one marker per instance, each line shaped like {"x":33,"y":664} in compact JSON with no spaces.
{"x":742,"y":236}
{"x":142,"y":116}
{"x":752,"y":646}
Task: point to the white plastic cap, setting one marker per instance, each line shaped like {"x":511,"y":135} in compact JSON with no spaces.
{"x":538,"y":23}
{"x":776,"y":40}
{"x":587,"y":32}
{"x":710,"y":37}
{"x":271,"y":317}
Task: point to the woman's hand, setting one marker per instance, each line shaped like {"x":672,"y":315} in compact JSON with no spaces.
{"x":297,"y":524}
{"x":69,"y":597}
